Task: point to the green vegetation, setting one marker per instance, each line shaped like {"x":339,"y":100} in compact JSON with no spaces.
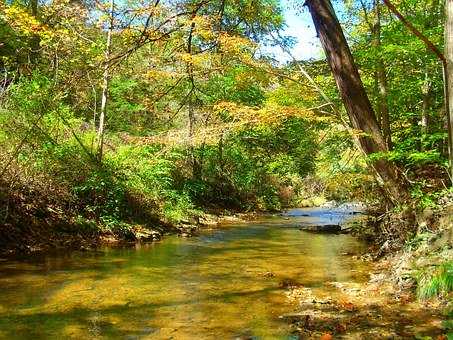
{"x":130,"y":120}
{"x":115,"y":115}
{"x":436,"y":282}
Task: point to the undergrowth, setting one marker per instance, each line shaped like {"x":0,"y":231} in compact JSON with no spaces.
{"x":435,"y":282}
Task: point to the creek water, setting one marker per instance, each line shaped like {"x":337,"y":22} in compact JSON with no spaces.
{"x":226,"y":283}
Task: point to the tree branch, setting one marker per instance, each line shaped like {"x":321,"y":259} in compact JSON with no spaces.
{"x":433,"y":48}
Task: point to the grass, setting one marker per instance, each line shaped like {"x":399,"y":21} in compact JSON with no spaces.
{"x":436,"y":282}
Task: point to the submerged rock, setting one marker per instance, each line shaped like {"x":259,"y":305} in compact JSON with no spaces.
{"x":326,"y":228}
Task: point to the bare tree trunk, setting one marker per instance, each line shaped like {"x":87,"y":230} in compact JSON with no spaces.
{"x":376,"y":90}
{"x":448,"y":70}
{"x":383,"y":109}
{"x":196,"y":170}
{"x":383,"y":104}
{"x":105,"y":85}
{"x":191,"y":128}
{"x":426,"y":103}
{"x":354,"y":97}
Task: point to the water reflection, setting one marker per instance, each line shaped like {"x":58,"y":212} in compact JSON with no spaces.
{"x":224,"y":284}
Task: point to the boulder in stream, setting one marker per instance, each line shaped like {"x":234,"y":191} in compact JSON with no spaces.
{"x":324,"y":228}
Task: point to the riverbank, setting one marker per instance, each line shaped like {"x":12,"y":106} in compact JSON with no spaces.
{"x":49,"y":235}
{"x":414,"y":278}
{"x":364,"y":310}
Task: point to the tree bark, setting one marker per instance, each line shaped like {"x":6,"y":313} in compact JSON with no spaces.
{"x":426,"y":103}
{"x":196,"y":168}
{"x":354,"y":97}
{"x":448,"y":70}
{"x":381,"y":79}
{"x":105,"y":84}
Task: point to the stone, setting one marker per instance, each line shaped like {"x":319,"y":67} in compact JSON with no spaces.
{"x":326,"y":228}
{"x":143,"y":234}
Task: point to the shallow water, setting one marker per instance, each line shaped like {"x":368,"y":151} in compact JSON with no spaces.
{"x":224,"y":284}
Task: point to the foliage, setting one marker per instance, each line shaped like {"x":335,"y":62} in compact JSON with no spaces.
{"x":436,"y":282}
{"x":197,"y":117}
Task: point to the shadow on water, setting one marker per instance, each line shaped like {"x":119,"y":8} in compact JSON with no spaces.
{"x":32,"y":323}
{"x":226,"y":283}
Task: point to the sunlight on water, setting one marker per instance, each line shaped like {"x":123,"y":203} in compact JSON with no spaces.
{"x":224,"y":284}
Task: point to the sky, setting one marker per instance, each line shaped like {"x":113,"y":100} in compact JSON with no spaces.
{"x":299,"y":26}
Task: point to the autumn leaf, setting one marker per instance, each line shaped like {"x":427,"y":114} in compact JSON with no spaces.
{"x":348,"y":306}
{"x":326,"y":336}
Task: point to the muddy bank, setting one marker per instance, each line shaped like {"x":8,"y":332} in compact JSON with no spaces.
{"x":41,"y":216}
{"x":354,"y":310}
{"x":403,"y":298}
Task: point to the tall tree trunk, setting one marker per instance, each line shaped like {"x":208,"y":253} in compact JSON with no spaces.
{"x":354,"y":97}
{"x":431,"y":21}
{"x":426,"y":103}
{"x":105,"y":83}
{"x":448,"y":70}
{"x":381,"y":77}
{"x":196,"y":169}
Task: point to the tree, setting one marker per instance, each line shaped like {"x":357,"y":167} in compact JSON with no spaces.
{"x":105,"y":82}
{"x":354,"y":97}
{"x":446,"y":60}
{"x":449,"y":77}
{"x":381,"y":77}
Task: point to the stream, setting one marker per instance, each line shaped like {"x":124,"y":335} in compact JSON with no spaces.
{"x":229,"y":282}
